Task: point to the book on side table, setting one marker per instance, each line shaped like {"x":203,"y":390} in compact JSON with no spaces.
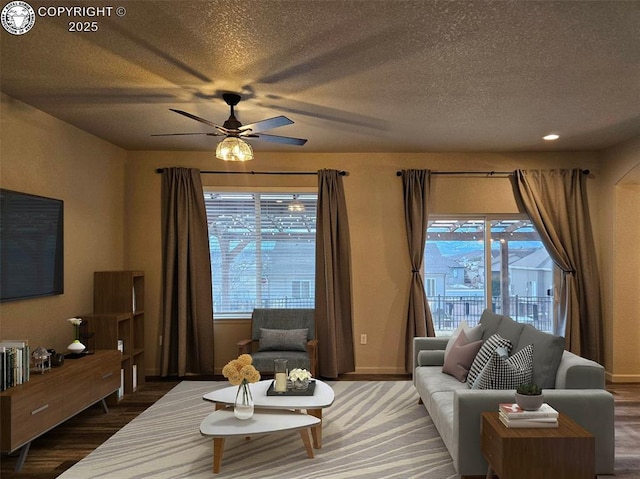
{"x":512,"y":416}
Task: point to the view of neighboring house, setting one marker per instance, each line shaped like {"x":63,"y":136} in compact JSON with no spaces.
{"x":291,"y":284}
{"x":257,"y":277}
{"x":530,"y":274}
{"x":441,"y":273}
{"x":456,"y":289}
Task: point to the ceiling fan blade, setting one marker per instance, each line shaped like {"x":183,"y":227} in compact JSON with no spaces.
{"x":182,"y":134}
{"x":283,"y":104}
{"x":201,"y":120}
{"x":330,"y":66}
{"x":268,"y":124}
{"x":280,"y":139}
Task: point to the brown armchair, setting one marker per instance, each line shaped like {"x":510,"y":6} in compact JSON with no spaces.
{"x":282,"y":334}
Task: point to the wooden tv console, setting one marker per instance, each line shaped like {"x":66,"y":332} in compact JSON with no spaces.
{"x":46,"y":400}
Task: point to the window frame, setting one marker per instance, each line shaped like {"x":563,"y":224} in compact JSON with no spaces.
{"x":252,"y":190}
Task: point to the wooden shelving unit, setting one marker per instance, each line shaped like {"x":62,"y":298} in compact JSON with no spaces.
{"x":118,"y":303}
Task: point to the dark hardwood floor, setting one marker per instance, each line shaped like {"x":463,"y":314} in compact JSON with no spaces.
{"x":627,"y":413}
{"x":59,"y":449}
{"x":62,"y":447}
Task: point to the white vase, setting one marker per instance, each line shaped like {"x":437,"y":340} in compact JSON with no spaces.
{"x":76,"y":347}
{"x":243,"y":405}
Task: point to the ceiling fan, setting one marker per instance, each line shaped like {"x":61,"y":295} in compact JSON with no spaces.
{"x":233,"y":148}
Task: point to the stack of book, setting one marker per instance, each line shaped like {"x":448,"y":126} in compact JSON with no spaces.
{"x":513,"y":415}
{"x":15,"y":360}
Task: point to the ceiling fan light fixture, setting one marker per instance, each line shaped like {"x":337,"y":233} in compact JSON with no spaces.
{"x":296,"y":206}
{"x":234,"y":149}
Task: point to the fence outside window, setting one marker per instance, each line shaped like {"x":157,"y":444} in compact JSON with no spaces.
{"x":449,"y":311}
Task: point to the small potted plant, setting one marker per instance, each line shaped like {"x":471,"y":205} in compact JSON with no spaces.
{"x":529,"y":397}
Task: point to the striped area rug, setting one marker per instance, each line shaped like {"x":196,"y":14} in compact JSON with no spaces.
{"x":373,"y":430}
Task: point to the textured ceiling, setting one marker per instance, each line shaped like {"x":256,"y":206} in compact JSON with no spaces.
{"x":354,"y":76}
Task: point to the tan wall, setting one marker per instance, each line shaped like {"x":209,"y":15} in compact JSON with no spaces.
{"x":620,"y":253}
{"x":374,"y":201}
{"x":112,"y":221}
{"x":44,"y":156}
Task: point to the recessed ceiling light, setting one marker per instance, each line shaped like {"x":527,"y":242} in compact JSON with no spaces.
{"x":551,"y":137}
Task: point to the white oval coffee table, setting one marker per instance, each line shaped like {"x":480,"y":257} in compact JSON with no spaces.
{"x":323,"y":396}
{"x":222,"y":424}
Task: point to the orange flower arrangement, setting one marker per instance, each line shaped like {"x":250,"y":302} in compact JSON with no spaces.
{"x":241,"y":371}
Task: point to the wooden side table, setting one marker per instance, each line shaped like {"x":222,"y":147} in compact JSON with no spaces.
{"x":565,"y":452}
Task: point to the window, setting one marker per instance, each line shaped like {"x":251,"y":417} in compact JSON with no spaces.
{"x":479,"y":263}
{"x":262,"y":254}
{"x":300,"y":289}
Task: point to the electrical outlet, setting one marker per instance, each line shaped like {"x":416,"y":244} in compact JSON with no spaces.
{"x":363,"y":339}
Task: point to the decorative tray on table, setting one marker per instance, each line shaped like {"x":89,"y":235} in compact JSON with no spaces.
{"x":293,"y":392}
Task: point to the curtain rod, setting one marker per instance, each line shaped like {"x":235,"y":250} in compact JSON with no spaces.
{"x":488,"y":173}
{"x":213,"y":172}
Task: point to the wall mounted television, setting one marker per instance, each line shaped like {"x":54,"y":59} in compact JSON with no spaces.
{"x":31,"y":246}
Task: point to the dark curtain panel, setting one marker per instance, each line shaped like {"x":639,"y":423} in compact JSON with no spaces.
{"x":334,"y":323}
{"x":187,"y":316}
{"x":556,"y":202}
{"x":415,"y":188}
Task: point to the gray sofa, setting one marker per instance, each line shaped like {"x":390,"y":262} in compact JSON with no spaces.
{"x":571,"y":384}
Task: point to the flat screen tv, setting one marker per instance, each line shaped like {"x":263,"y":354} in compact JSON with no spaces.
{"x":31,"y":246}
